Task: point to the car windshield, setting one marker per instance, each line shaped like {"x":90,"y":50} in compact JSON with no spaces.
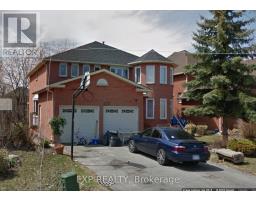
{"x":177,"y":134}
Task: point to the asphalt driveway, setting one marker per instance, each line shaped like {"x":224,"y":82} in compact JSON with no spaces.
{"x":121,"y":170}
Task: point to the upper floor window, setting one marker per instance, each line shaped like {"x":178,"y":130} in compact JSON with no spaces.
{"x":121,"y":71}
{"x":86,"y":68}
{"x":171,"y":75}
{"x":150,"y":108}
{"x":163,"y":74}
{"x":63,"y":71}
{"x":74,"y":70}
{"x":137,"y":77}
{"x":150,"y":74}
{"x":97,"y":68}
{"x":126,"y":73}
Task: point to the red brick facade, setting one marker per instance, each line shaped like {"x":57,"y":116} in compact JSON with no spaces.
{"x":124,"y":94}
{"x":158,"y":91}
{"x":117,"y":93}
{"x":181,"y":104}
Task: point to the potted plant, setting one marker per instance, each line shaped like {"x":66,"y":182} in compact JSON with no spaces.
{"x":56,"y":124}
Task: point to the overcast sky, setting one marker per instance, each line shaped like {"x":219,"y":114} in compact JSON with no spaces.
{"x":133,"y":31}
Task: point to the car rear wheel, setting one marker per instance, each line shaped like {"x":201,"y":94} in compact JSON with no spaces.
{"x":161,"y":157}
{"x":132,"y":147}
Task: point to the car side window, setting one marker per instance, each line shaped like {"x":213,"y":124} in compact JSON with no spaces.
{"x":156,"y":134}
{"x":147,"y":132}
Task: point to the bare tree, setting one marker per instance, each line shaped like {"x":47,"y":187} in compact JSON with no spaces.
{"x":52,"y":47}
{"x":13,"y":76}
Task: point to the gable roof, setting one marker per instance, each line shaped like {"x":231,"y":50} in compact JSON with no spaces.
{"x":152,"y":57}
{"x":182,"y":58}
{"x":61,"y":84}
{"x":92,"y":53}
{"x":95,"y":53}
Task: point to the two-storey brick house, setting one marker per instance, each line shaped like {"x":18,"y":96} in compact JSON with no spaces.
{"x":127,"y":93}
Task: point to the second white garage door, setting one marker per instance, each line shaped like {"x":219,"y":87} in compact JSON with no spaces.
{"x":120,"y":118}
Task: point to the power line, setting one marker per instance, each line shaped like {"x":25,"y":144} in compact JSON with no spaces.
{"x":78,"y":49}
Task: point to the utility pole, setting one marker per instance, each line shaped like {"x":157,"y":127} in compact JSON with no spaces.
{"x":85,"y":82}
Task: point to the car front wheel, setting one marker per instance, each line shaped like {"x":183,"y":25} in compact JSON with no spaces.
{"x":161,"y":157}
{"x":132,"y":147}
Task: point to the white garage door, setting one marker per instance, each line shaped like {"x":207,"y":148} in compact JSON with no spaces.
{"x":119,"y":118}
{"x":86,"y":123}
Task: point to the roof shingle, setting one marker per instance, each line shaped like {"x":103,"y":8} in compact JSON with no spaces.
{"x":151,"y":57}
{"x":95,"y":53}
{"x":182,"y":58}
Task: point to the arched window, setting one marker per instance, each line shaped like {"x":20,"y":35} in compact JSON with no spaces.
{"x":102,"y":82}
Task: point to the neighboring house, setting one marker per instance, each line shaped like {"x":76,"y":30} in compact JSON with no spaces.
{"x":183,"y":58}
{"x":18,"y":114}
{"x":127,"y":93}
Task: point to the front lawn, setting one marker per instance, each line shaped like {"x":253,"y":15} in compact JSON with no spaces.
{"x":209,"y":139}
{"x":248,"y":166}
{"x":27,"y":176}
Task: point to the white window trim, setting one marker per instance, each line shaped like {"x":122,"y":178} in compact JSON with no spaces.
{"x":165,"y":111}
{"x":72,"y":65}
{"x":97,"y":66}
{"x":60,"y":75}
{"x":147,"y":108}
{"x":171,"y":75}
{"x":163,"y":67}
{"x":135,"y":75}
{"x":154,"y":71}
{"x":84,"y":66}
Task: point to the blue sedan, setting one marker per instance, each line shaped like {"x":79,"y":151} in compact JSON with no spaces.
{"x":169,"y":144}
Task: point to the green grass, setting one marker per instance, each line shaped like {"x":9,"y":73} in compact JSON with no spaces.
{"x":209,"y":139}
{"x":27,"y":176}
{"x":249,"y":164}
